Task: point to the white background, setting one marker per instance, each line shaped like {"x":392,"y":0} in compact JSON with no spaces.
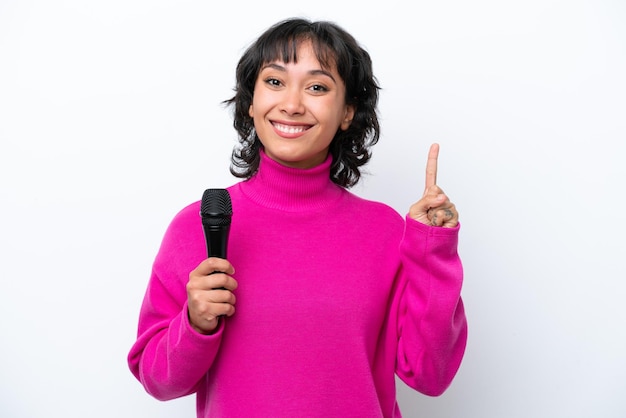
{"x":110,"y":122}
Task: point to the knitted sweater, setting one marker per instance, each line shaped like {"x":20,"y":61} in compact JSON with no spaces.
{"x":336,"y":294}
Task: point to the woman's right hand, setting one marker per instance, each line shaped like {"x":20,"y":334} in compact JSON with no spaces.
{"x":210,"y":294}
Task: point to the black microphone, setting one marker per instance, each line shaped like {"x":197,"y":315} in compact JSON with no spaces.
{"x":216,"y":211}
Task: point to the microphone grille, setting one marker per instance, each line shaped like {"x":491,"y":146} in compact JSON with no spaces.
{"x":216,"y":206}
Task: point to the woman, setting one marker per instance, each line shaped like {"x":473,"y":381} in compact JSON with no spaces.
{"x":333,"y":294}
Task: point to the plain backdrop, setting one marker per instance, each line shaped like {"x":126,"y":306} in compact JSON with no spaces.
{"x":111,"y":121}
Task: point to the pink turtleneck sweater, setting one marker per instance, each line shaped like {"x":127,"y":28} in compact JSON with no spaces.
{"x":336,"y":294}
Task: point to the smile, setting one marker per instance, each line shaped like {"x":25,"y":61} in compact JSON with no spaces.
{"x":289,"y":129}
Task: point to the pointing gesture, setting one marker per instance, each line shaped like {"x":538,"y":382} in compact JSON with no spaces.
{"x":431,"y":166}
{"x":434,"y":208}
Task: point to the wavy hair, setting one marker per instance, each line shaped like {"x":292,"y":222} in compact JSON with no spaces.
{"x":350,"y":149}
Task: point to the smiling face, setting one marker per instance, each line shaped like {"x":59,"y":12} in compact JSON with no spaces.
{"x":298,"y":107}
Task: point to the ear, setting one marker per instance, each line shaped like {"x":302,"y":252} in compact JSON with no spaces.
{"x":250,"y":112}
{"x":347,"y":119}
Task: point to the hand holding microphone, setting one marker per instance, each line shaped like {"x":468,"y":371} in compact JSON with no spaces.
{"x":210,"y":286}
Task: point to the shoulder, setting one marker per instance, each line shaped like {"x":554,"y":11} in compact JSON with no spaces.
{"x":370,"y":204}
{"x":185,"y":224}
{"x":373,"y":209}
{"x":187,"y":216}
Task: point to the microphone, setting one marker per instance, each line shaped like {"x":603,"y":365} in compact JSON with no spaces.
{"x":216,"y":211}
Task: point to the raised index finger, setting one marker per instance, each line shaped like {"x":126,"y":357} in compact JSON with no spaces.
{"x":431,"y":165}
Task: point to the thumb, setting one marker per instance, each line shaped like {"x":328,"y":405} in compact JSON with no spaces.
{"x":433,"y":197}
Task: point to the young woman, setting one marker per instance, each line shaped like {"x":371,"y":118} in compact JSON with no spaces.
{"x":325,"y":296}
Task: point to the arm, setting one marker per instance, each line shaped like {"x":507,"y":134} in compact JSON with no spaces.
{"x":169,"y":357}
{"x":172,"y":352}
{"x":432,"y":327}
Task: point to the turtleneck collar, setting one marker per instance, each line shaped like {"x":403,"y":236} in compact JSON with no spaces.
{"x":291,"y":189}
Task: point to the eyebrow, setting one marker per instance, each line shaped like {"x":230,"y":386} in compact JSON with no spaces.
{"x":278,"y":67}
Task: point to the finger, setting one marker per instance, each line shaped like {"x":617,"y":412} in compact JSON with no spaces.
{"x":210,"y":304}
{"x":435,"y":192}
{"x":431,"y":199}
{"x":205,"y":319}
{"x":215,"y":264}
{"x":220,"y":281}
{"x":220,"y":296}
{"x":441,"y":216}
{"x":220,"y":309}
{"x":224,"y":309}
{"x":213,"y":281}
{"x":431,"y":166}
{"x":201,"y":280}
{"x":216,"y":303}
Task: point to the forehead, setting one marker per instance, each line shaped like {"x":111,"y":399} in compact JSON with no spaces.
{"x":291,"y":49}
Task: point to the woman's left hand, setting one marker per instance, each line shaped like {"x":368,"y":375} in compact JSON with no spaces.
{"x":434,"y":208}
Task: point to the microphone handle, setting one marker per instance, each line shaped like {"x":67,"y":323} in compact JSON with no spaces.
{"x":217,"y":240}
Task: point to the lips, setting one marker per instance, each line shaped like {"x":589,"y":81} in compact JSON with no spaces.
{"x":290,"y":129}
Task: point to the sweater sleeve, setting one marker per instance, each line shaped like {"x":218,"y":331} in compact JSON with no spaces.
{"x":169,"y":357}
{"x":432,"y":327}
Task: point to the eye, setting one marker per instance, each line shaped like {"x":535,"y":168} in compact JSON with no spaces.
{"x":274,"y":82}
{"x":318,"y":88}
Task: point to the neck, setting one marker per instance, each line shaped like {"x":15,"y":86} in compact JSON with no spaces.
{"x":291,"y":189}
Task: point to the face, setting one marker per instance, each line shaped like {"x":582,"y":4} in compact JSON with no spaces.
{"x":297,"y":109}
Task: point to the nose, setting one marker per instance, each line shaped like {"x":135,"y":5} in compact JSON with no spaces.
{"x":292,"y":103}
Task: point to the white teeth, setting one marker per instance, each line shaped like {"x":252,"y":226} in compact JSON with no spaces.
{"x":289,"y":129}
